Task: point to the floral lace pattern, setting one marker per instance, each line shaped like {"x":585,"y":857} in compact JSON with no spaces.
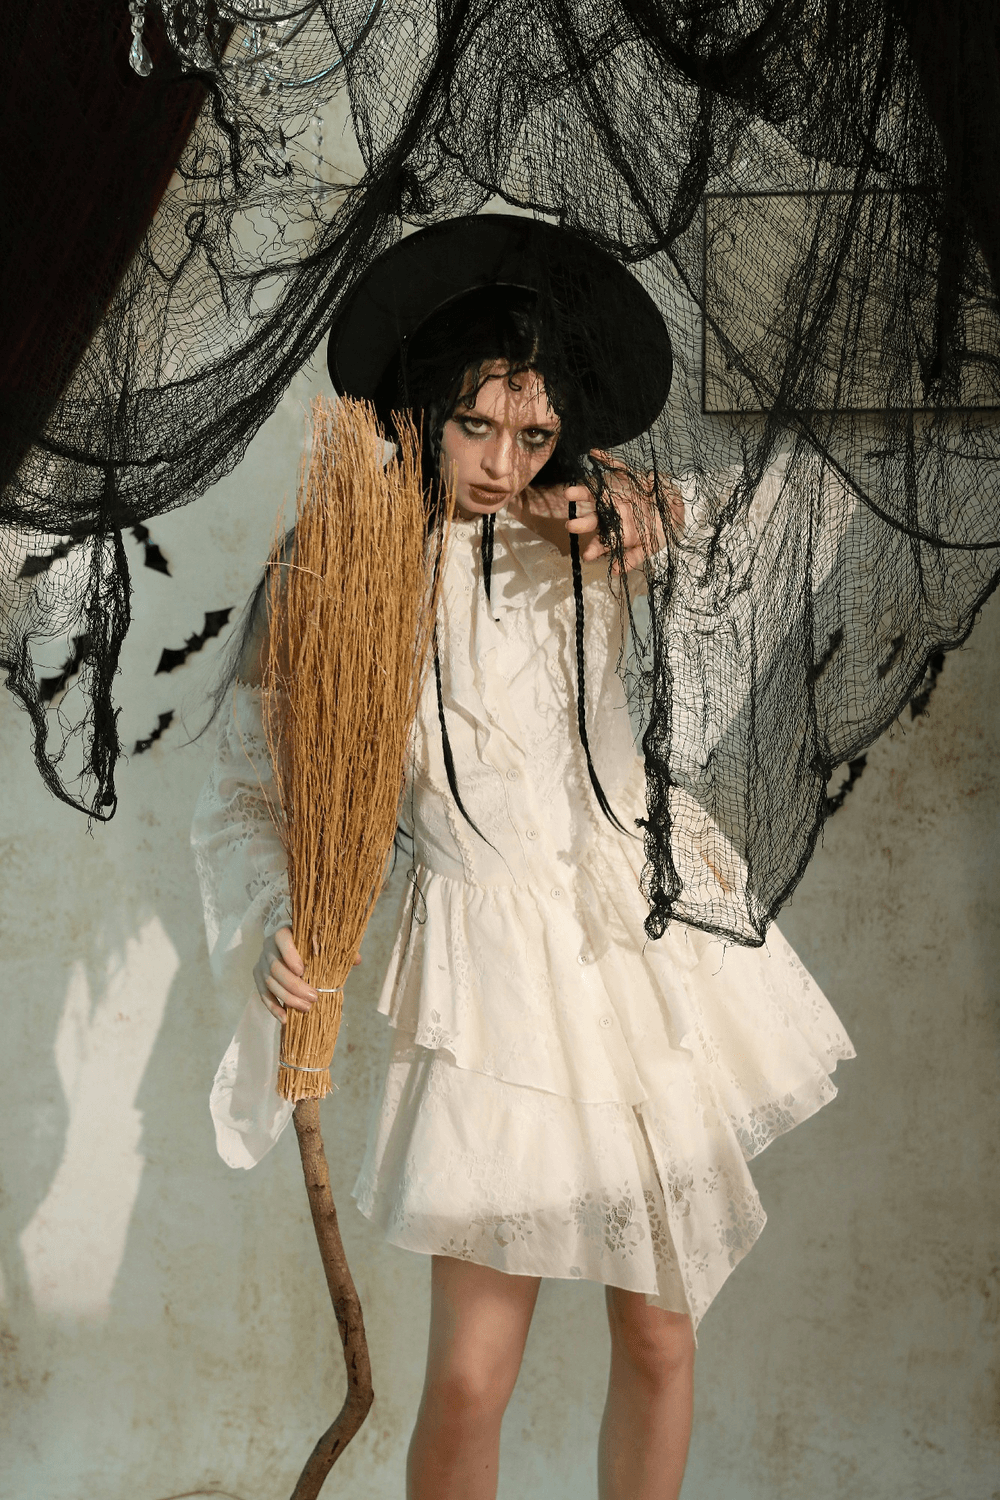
{"x":240,"y":859}
{"x":563,"y":1099}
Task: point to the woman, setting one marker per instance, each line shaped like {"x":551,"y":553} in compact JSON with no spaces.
{"x":563,"y":1099}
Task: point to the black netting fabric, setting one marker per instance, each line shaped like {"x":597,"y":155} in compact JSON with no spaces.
{"x":810,"y":192}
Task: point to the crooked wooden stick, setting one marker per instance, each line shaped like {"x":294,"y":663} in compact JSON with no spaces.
{"x":346,"y":1305}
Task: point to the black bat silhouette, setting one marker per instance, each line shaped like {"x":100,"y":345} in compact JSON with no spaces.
{"x":152,"y":556}
{"x":835,"y":643}
{"x":921,"y":698}
{"x":48,"y":687}
{"x":215,"y":620}
{"x":854,"y":772}
{"x":38,"y":562}
{"x":163,"y":723}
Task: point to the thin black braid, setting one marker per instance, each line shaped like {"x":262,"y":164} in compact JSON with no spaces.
{"x":449,"y":759}
{"x":489,"y":534}
{"x":581,"y":687}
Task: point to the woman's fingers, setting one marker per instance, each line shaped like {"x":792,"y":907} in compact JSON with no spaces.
{"x":276,"y":1008}
{"x":582,"y":526}
{"x":286,"y":947}
{"x":290,"y":980}
{"x":585,"y":527}
{"x":289,"y":988}
{"x":278,"y":976}
{"x":675,"y":505}
{"x":635,"y":557}
{"x":288,"y":997}
{"x":553,"y":501}
{"x":634,"y":544}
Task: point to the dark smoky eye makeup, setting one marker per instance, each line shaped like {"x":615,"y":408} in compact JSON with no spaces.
{"x":534,"y":437}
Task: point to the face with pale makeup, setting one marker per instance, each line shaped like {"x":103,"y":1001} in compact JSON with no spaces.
{"x":495,"y":444}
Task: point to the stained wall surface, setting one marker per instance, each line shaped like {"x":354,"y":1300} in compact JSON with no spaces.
{"x":165,"y":1328}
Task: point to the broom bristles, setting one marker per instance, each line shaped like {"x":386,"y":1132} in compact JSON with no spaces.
{"x":350,"y":625}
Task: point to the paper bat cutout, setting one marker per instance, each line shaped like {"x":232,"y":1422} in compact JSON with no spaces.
{"x":854,"y":770}
{"x":152,"y":556}
{"x":819,"y":667}
{"x":215,"y":621}
{"x":49,"y":687}
{"x":921,"y":698}
{"x":895,"y":652}
{"x":163,"y":723}
{"x":38,"y":562}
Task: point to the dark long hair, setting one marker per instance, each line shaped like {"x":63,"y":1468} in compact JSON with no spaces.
{"x":439,"y":370}
{"x":442,"y":367}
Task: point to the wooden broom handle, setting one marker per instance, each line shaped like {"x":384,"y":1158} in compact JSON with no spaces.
{"x":346,"y":1305}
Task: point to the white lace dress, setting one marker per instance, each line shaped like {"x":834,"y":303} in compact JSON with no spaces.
{"x":563,"y":1098}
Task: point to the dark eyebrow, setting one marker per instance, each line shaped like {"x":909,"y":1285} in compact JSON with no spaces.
{"x":472,"y":414}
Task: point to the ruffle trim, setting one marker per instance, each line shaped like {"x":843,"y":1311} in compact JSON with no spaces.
{"x":557,"y":989}
{"x":655,"y":1198}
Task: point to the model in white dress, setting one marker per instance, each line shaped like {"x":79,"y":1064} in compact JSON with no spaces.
{"x":564,"y":1097}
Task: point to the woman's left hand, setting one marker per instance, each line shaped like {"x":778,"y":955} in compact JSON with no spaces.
{"x":634,"y":498}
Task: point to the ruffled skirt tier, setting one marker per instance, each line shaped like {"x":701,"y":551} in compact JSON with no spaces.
{"x":566,"y":1099}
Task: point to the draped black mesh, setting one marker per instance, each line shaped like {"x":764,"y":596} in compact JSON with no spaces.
{"x":809,"y":191}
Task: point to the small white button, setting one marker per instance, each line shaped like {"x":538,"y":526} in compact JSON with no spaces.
{"x":531,"y":833}
{"x":556,"y":892}
{"x":511,"y":775}
{"x":605,"y":1020}
{"x":585,"y":958}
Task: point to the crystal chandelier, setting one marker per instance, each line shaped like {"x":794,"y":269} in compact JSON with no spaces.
{"x":260,"y":35}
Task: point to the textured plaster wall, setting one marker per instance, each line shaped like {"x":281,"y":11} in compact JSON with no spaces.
{"x":165,"y":1329}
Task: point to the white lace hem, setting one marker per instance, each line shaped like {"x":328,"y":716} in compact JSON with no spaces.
{"x":655,"y":1198}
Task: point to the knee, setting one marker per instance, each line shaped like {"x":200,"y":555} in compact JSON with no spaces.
{"x":468,"y":1395}
{"x":657,"y":1345}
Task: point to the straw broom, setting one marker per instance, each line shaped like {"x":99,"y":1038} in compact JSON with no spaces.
{"x":350,"y":626}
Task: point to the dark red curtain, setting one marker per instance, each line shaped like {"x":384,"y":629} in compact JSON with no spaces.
{"x":86,"y":151}
{"x":956,"y":48}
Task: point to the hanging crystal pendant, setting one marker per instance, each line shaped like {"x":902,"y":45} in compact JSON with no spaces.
{"x":140,"y":59}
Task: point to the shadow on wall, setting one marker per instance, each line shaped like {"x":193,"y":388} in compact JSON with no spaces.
{"x":166,"y":1328}
{"x":161,"y":1309}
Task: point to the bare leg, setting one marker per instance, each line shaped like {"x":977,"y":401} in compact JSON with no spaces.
{"x":647,"y":1416}
{"x":479,"y":1324}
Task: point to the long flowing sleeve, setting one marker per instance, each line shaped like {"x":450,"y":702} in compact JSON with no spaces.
{"x":243,"y":872}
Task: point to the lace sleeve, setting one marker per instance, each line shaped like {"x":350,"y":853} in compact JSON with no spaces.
{"x":241,"y":861}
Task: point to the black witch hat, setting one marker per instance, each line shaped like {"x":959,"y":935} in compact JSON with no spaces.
{"x":621,"y":355}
